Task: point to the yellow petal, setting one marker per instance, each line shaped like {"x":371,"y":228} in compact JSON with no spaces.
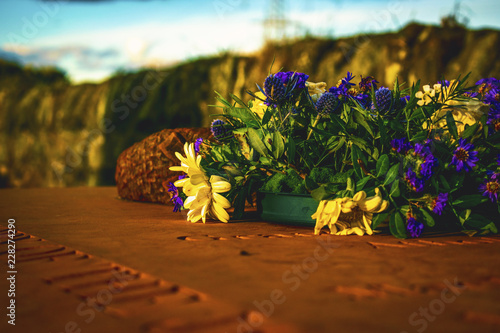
{"x":189,"y":200}
{"x":220,"y":213}
{"x":221,"y":187}
{"x":221,"y":200}
{"x":367,"y":222}
{"x":361,"y":195}
{"x":181,"y":182}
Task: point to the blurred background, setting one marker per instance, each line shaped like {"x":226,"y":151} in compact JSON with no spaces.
{"x":80,"y":81}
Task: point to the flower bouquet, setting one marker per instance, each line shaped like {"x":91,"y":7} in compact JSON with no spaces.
{"x":411,"y":157}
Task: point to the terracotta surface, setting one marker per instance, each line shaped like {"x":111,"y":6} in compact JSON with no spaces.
{"x":184,"y":277}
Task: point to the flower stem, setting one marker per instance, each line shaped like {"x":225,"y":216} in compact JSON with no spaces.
{"x":318,"y":117}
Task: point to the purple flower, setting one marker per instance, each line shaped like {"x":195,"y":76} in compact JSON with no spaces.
{"x":491,"y":187}
{"x":294,"y":80}
{"x":439,"y":203}
{"x":403,"y":100}
{"x":176,"y":200}
{"x":401,"y":146}
{"x":415,"y":183}
{"x":220,"y":130}
{"x":327,"y":103}
{"x":464,"y":158}
{"x":427,"y":160}
{"x":498,"y":160}
{"x":283,"y":85}
{"x":363,"y":99}
{"x":197,"y":145}
{"x":365,"y":85}
{"x":383,"y":99}
{"x":414,"y":227}
{"x":274,"y":89}
{"x":344,"y":87}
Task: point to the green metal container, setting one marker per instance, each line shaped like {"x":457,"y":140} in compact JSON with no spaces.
{"x":286,"y":208}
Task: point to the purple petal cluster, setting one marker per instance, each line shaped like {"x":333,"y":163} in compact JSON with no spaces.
{"x":366,"y":84}
{"x":489,"y":93}
{"x":464,"y":157}
{"x":439,"y":203}
{"x":428,"y":161}
{"x":197,"y":145}
{"x":176,"y":199}
{"x":414,"y":227}
{"x":491,"y":187}
{"x":415,"y":183}
{"x":401,"y":146}
{"x":344,"y":87}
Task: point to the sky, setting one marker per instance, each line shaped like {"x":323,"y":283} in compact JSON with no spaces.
{"x":91,"y":40}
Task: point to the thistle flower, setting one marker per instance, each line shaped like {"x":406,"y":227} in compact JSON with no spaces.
{"x":220,"y":130}
{"x":327,"y":103}
{"x":439,"y":203}
{"x":414,"y":227}
{"x":274,"y":90}
{"x":464,"y":158}
{"x":345,"y":216}
{"x":383,"y":99}
{"x":491,"y":187}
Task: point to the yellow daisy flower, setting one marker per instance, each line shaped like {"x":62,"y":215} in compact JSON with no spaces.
{"x":345,"y":216}
{"x":203,"y":196}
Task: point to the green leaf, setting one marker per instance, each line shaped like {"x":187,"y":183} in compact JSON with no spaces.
{"x":419,"y":137}
{"x":267,"y":117}
{"x":477,"y":221}
{"x":245,"y":115}
{"x":360,"y":119}
{"x":397,"y":225}
{"x":429,"y":220}
{"x":444,"y":183}
{"x":356,"y":155}
{"x":239,"y":204}
{"x":362,"y":182}
{"x":392,"y":174}
{"x":469,"y":201}
{"x":379,"y":218}
{"x":395,"y":192}
{"x":256,"y":142}
{"x":464,"y":216}
{"x":452,"y":126}
{"x":278,"y":145}
{"x":320,"y":193}
{"x":337,"y":121}
{"x":491,"y":227}
{"x":469,"y":131}
{"x":382,"y":165}
{"x":351,"y":187}
{"x":311,"y":185}
{"x":290,"y":149}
